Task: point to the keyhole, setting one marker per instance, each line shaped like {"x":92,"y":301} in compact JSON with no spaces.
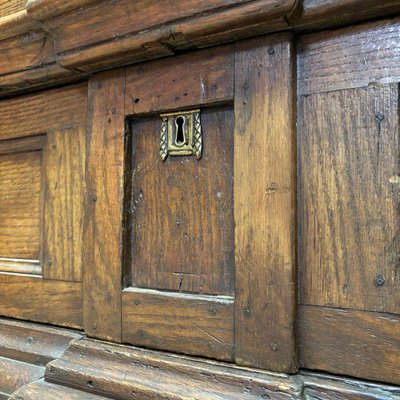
{"x":180,"y":136}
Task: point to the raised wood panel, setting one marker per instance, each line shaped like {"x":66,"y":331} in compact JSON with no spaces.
{"x":349,"y":198}
{"x":64,"y":203}
{"x":182,"y":209}
{"x":193,"y":79}
{"x":20,"y":204}
{"x":36,"y":299}
{"x":264,"y":204}
{"x":347,"y":58}
{"x":183,"y":323}
{"x":349,"y":342}
{"x":103,"y":233}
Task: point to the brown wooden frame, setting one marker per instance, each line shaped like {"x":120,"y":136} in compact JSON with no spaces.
{"x":52,"y":291}
{"x":264,"y":307}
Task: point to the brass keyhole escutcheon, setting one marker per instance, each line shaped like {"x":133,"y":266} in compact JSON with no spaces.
{"x":181,"y":134}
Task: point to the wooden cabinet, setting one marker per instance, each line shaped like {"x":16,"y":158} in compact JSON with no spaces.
{"x":217,"y":215}
{"x":42,"y":193}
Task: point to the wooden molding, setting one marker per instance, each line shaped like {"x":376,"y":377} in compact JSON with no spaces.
{"x":128,"y":373}
{"x":90,"y":35}
{"x":25,"y":349}
{"x":94,"y":370}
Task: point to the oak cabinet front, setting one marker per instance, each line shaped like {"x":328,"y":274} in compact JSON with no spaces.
{"x":195,"y":250}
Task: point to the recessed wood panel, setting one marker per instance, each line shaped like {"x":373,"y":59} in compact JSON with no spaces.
{"x":349,"y":199}
{"x":182,"y":209}
{"x":20,"y":204}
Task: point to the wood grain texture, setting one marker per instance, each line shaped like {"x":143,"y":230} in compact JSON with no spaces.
{"x":17,"y":23}
{"x":44,"y":9}
{"x":356,"y":343}
{"x":45,"y":111}
{"x":14,"y":374}
{"x":42,"y":77}
{"x":194,"y":79}
{"x":349,"y":198}
{"x":25,"y":349}
{"x":123,"y":373}
{"x":182,"y":209}
{"x":349,"y":58}
{"x":104,"y":207}
{"x":33,"y":343}
{"x":24,"y":52}
{"x":264,"y":204}
{"x":53,"y":302}
{"x":317,"y":14}
{"x":107,"y":19}
{"x":245,"y":20}
{"x":41,"y":390}
{"x":328,"y":387}
{"x":8,"y":7}
{"x":182,"y":323}
{"x":20,"y":205}
{"x":127,"y":50}
{"x":64,"y":203}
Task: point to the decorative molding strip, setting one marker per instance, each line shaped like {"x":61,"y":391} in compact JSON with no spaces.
{"x":94,"y":370}
{"x":85,"y":36}
{"x":25,"y":349}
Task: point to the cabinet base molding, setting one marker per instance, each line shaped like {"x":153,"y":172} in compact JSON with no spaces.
{"x":91,"y":369}
{"x":25,"y":350}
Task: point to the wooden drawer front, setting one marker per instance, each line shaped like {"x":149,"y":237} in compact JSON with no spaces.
{"x":42,"y":183}
{"x":204,"y":248}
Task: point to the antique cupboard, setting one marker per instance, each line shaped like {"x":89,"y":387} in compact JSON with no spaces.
{"x":199,"y":199}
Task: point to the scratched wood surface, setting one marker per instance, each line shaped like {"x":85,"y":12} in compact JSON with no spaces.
{"x":349,"y":198}
{"x":182,"y":209}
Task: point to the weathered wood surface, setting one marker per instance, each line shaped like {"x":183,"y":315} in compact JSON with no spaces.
{"x":42,"y":175}
{"x":264,"y":197}
{"x":349,"y":342}
{"x":351,"y":57}
{"x":183,"y":323}
{"x":42,"y":390}
{"x":130,"y":373}
{"x":189,"y":80}
{"x":25,"y":349}
{"x":20,"y":204}
{"x":104,"y":206}
{"x":182,"y":208}
{"x":349,"y":198}
{"x":90,"y":35}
